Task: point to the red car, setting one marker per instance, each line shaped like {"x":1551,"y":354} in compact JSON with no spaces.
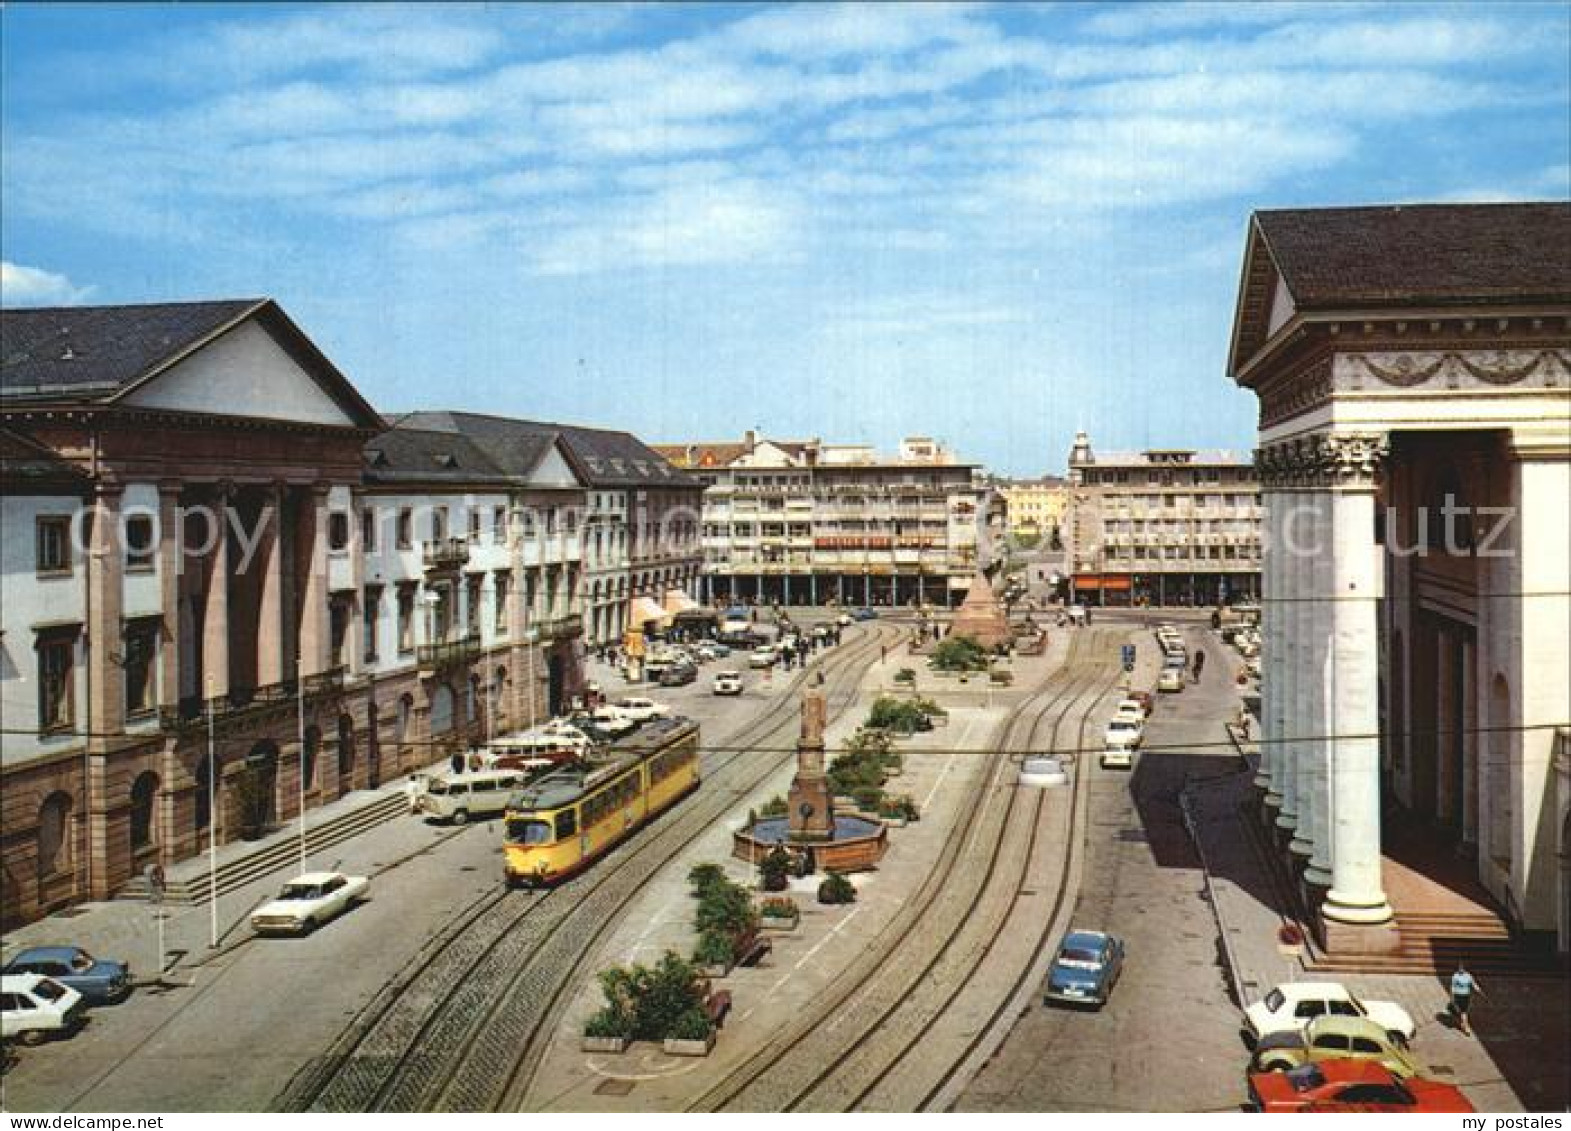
{"x":1351,"y":1085}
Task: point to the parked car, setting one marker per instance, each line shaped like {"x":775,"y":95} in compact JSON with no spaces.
{"x":1123,"y":731}
{"x":678,"y":674}
{"x":1043,"y":770}
{"x":864,"y":614}
{"x":727,"y":683}
{"x":460,"y":797}
{"x":1171,"y":679}
{"x":609,"y":719}
{"x":308,"y":901}
{"x":1351,"y":1086}
{"x":1293,"y":1005}
{"x":34,"y":1008}
{"x":1130,"y":709}
{"x":100,"y":981}
{"x":843,"y":620}
{"x":642,"y":710}
{"x":1118,"y":758}
{"x":1146,"y":700}
{"x":762,"y":657}
{"x":1334,"y":1037}
{"x":1085,"y":969}
{"x":711,"y":650}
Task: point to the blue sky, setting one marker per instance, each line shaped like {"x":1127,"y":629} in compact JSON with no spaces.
{"x":990,"y":224}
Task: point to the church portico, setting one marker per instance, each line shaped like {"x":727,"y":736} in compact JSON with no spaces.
{"x":1414,"y":374}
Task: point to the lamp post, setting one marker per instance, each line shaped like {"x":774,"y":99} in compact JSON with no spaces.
{"x":300,"y":736}
{"x":212,"y":822}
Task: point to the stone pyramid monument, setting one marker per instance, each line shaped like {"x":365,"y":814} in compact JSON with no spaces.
{"x":980,"y":616}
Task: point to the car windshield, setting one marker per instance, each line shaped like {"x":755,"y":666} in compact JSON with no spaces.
{"x":520,"y":831}
{"x":49,"y":991}
{"x":81,"y":962}
{"x":436,"y":786}
{"x":1274,"y":1000}
{"x":1082,"y":957}
{"x":298,"y":891}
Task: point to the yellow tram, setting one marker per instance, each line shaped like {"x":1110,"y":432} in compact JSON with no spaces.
{"x":560,"y":823}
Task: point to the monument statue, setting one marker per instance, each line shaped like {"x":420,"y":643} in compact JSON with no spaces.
{"x":811,"y":815}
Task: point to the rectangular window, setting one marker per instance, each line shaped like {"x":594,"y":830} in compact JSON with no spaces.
{"x":472,"y":606}
{"x":56,"y":682}
{"x":54,"y":545}
{"x":141,"y":656}
{"x":406,"y":618}
{"x":474,"y":524}
{"x":499,"y":525}
{"x":338,"y":531}
{"x":439,"y":524}
{"x":529,"y":522}
{"x":406,"y":528}
{"x":371,"y":612}
{"x":139,"y":547}
{"x":368,"y":530}
{"x":502,"y":590}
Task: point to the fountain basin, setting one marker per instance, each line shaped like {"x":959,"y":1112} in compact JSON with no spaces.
{"x":856,"y":845}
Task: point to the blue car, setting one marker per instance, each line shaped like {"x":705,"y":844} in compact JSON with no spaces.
{"x":99,"y":980}
{"x":864,"y":614}
{"x":1085,"y":969}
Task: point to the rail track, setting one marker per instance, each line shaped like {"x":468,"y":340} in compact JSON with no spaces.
{"x":866,"y":1042}
{"x":464,"y":1025}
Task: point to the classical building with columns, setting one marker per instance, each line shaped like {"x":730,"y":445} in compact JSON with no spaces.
{"x":1413,"y":366}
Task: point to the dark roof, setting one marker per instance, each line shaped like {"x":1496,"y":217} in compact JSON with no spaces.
{"x":1426,"y":254}
{"x":602,"y":457}
{"x":90,"y":352}
{"x":421,"y":455}
{"x":25,"y":464}
{"x":93,"y":354}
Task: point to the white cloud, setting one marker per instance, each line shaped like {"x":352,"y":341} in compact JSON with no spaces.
{"x":30,"y":286}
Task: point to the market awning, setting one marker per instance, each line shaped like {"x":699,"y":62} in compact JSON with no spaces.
{"x":678,"y":602}
{"x":1102,"y":581}
{"x":645,"y":611}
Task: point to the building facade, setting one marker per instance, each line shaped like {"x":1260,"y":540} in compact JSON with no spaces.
{"x":1162,"y":527}
{"x":1413,"y":367}
{"x":1034,"y":509}
{"x":803,"y":522}
{"x":232,"y":589}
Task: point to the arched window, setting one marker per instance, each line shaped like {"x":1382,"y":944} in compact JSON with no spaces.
{"x":54,"y":835}
{"x":204,"y":803}
{"x":313,"y":747}
{"x":406,"y":712}
{"x":441,"y":709}
{"x":144,"y":792}
{"x":346,"y":747}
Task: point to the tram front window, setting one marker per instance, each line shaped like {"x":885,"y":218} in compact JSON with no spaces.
{"x":521,"y":830}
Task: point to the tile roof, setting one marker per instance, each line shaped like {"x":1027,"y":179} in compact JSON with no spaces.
{"x":422,"y":455}
{"x":1426,"y":254}
{"x":92,"y":352}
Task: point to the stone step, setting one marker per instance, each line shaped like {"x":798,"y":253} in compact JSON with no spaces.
{"x":194,"y":889}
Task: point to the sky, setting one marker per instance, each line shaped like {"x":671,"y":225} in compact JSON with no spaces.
{"x":989,"y":224}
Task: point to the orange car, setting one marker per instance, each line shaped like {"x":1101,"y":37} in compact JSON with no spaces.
{"x":1351,"y":1085}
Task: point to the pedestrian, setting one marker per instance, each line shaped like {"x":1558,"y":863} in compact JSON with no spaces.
{"x":1463,"y":987}
{"x":1200,"y":663}
{"x":883,"y":653}
{"x":457,"y":762}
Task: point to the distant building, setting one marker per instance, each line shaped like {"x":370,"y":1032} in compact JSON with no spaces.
{"x":1034,"y":508}
{"x":1413,"y":366}
{"x":804,"y":522}
{"x":1162,"y":527}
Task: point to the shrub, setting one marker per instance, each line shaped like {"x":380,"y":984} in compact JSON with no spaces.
{"x":899,"y":715}
{"x":775,"y":869}
{"x":703,"y":877}
{"x":776,"y":806}
{"x":867,"y":798}
{"x":959,"y":654}
{"x":713,"y":950}
{"x":692,"y":1025}
{"x":905,"y":675}
{"x":608,"y":1021}
{"x":668,"y":991}
{"x":726,"y":909}
{"x":931,"y":709}
{"x":836,"y":889}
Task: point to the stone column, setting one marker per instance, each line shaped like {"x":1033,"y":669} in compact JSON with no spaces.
{"x":215,"y":609}
{"x":315,"y":632}
{"x":1295,"y":536}
{"x":1271,"y":650}
{"x":1357,"y":895}
{"x":171,"y":595}
{"x":105,"y":635}
{"x":270,"y":661}
{"x":1302,"y":725}
{"x":1321,"y":722}
{"x":1468,"y":740}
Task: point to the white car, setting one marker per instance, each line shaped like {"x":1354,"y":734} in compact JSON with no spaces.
{"x":1123,"y":731}
{"x":843,"y":620}
{"x":308,"y":901}
{"x":1118,"y":758}
{"x":762,"y":657}
{"x":1293,"y":1005}
{"x":1171,"y":679}
{"x":36,"y":1007}
{"x":728,"y":683}
{"x":1043,"y":770}
{"x":1130,"y":709}
{"x":642,"y":710}
{"x":613,"y":720}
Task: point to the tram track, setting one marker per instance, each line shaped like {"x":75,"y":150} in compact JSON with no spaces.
{"x":856,"y":1033}
{"x":476,"y":998}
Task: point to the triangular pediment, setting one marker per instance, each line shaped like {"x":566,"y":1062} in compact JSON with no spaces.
{"x":245,"y":371}
{"x":553,"y":470}
{"x":1265,"y":304}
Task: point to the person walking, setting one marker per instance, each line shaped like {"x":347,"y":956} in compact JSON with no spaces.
{"x":1463,"y":987}
{"x":1200,"y":663}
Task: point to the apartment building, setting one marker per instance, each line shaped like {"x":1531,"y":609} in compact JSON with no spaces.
{"x":1034,"y":508}
{"x":803,"y":522}
{"x":1162,"y":527}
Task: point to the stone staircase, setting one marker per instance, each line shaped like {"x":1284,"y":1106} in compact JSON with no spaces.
{"x":188,"y":884}
{"x":1433,"y":942}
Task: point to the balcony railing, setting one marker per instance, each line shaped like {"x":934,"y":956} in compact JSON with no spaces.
{"x":445,"y":553}
{"x":193,"y":710}
{"x":448,"y":653}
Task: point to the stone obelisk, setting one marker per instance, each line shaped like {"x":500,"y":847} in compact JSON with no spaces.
{"x":811,"y":817}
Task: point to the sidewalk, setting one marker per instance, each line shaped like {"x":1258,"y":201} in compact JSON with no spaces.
{"x":1516,"y":1060}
